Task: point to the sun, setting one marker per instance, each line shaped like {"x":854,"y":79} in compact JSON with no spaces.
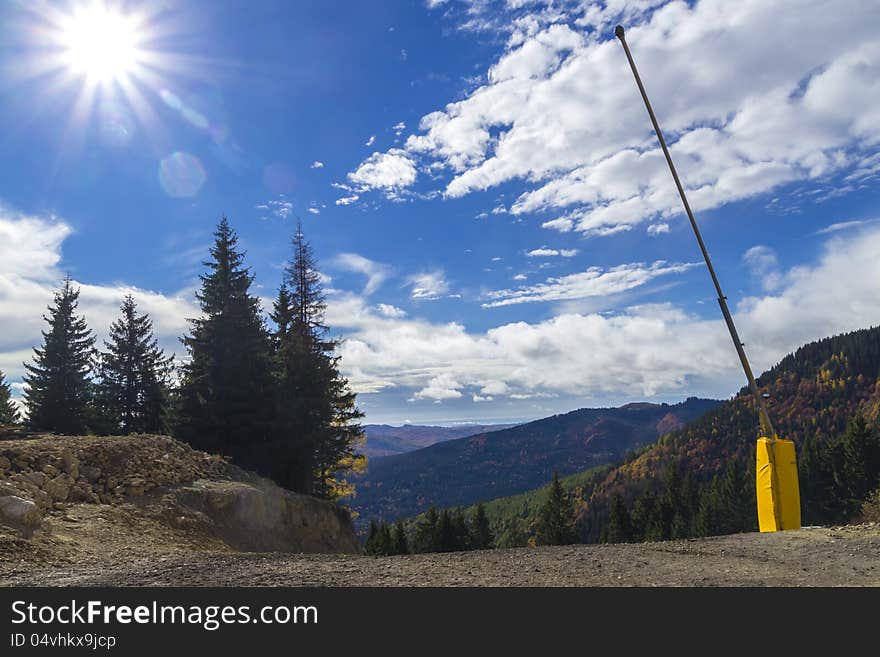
{"x":100,"y":43}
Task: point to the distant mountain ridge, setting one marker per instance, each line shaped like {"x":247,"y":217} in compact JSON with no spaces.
{"x":386,"y":440}
{"x":504,"y":462}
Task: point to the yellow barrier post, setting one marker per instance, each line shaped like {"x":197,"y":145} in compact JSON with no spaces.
{"x":776,"y":472}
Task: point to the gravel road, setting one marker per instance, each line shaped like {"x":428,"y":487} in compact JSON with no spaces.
{"x":836,"y":556}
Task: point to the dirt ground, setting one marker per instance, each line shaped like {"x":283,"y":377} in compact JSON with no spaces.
{"x":97,"y":545}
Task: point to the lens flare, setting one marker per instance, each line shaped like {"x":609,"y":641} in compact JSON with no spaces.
{"x":181,"y":174}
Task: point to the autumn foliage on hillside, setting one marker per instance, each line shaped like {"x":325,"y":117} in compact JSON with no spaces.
{"x":814,"y":394}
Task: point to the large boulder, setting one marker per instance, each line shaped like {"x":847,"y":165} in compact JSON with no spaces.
{"x":260,"y":516}
{"x":19,"y":513}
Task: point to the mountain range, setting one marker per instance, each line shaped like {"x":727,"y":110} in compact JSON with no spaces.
{"x":503,"y":462}
{"x":386,"y":440}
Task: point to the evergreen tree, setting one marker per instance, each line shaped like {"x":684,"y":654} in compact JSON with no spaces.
{"x":481,"y":532}
{"x":426,"y":537}
{"x":226,"y":385}
{"x":446,"y":532}
{"x":619,"y":527}
{"x":399,"y":540}
{"x":57,"y":384}
{"x":386,"y":543}
{"x":556,"y":518}
{"x":371,"y":545}
{"x":135,"y":374}
{"x":8,"y":411}
{"x":315,"y":408}
{"x":861,"y":461}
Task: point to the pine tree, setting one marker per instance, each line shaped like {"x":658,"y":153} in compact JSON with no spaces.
{"x":861,"y":461}
{"x":371,"y":545}
{"x":57,"y":384}
{"x":556,"y":517}
{"x":135,"y":374}
{"x":8,"y":410}
{"x":481,"y":532}
{"x":225,"y":392}
{"x":399,"y":540}
{"x":426,"y":537}
{"x":315,"y":409}
{"x":619,"y":527}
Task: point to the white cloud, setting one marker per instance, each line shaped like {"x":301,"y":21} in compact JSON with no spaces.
{"x":370,"y":141}
{"x":393,"y":312}
{"x":398,"y":128}
{"x":317,"y":165}
{"x":844,"y":225}
{"x":313,"y":210}
{"x":280,"y":208}
{"x":559,"y":109}
{"x":658,"y":229}
{"x":520,"y":277}
{"x":642,"y":351}
{"x":347,"y":200}
{"x":544,"y":252}
{"x":376,"y":272}
{"x":440,"y":388}
{"x":429,"y":285}
{"x":763,"y":263}
{"x":389,"y":171}
{"x":595,"y":282}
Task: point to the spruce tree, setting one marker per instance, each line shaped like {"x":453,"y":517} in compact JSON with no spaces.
{"x":134,"y":374}
{"x":399,"y":540}
{"x":619,"y":527}
{"x":8,"y":410}
{"x":226,"y":384}
{"x":57,"y":385}
{"x":861,"y":461}
{"x":316,"y":414}
{"x":556,"y":517}
{"x":426,"y":536}
{"x":481,"y":532}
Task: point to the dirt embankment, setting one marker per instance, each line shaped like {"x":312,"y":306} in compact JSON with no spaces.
{"x":110,"y":500}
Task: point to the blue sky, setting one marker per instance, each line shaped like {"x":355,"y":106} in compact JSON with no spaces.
{"x":498,"y":232}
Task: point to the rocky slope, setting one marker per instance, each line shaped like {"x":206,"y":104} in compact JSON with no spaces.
{"x":74,"y":497}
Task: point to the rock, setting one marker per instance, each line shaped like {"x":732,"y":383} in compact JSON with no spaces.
{"x":58,"y":488}
{"x":19,"y":513}
{"x":37,"y":478}
{"x":50,"y":470}
{"x":90,"y":472}
{"x":70,"y":463}
{"x":5,"y":464}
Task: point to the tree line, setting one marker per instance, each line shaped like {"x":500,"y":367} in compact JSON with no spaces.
{"x":269,"y":396}
{"x":836,"y":478}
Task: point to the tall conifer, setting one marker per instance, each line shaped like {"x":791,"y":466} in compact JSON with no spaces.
{"x":57,"y":384}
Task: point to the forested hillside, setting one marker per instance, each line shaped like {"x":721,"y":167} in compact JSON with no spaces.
{"x":499,"y":463}
{"x":825,"y":396}
{"x":386,"y":440}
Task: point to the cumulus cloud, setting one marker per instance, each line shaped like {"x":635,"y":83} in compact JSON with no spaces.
{"x":658,"y":229}
{"x":390,"y":172}
{"x":370,"y":141}
{"x":429,"y":285}
{"x":376,"y":272}
{"x":387,"y":310}
{"x":317,"y":165}
{"x":642,"y":351}
{"x":595,"y":282}
{"x":559,"y":111}
{"x":347,"y":200}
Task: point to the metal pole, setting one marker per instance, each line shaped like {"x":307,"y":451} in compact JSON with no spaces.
{"x":766,"y":425}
